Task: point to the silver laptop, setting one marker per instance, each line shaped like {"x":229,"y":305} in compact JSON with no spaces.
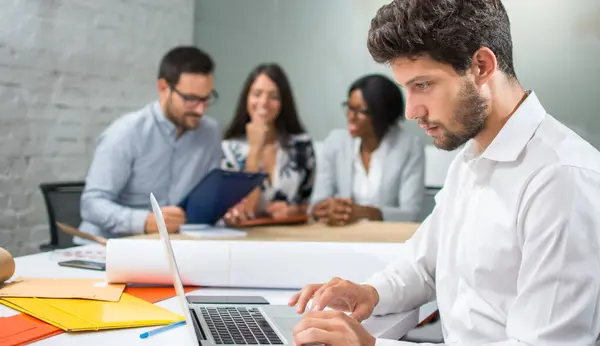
{"x":228,"y":324}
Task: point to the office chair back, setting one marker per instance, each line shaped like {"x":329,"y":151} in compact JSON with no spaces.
{"x":62,"y":203}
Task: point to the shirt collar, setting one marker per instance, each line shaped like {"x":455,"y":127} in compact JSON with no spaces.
{"x":382,"y":148}
{"x":165,"y":124}
{"x":515,"y":134}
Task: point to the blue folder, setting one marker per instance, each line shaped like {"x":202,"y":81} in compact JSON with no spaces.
{"x":216,"y":193}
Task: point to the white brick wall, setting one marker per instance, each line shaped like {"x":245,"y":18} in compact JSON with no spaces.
{"x":68,"y":68}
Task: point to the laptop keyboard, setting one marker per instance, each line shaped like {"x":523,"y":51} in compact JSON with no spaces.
{"x":239,"y":326}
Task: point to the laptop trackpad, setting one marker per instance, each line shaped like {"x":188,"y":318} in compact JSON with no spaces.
{"x":286,"y":323}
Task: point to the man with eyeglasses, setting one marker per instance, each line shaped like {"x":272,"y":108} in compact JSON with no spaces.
{"x":165,"y":148}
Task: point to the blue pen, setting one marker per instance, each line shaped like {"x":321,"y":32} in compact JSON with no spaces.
{"x":161,"y":329}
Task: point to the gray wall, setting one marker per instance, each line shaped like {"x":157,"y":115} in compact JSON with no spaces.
{"x":557,"y":54}
{"x":322,"y":46}
{"x":67,"y":68}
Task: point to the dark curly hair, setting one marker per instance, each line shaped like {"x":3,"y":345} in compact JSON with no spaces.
{"x":448,"y":31}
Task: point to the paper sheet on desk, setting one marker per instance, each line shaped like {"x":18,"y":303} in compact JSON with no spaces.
{"x":94,"y":289}
{"x":252,"y":264}
{"x":94,"y":252}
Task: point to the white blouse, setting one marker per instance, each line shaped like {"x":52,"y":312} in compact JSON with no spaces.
{"x":365,"y":186}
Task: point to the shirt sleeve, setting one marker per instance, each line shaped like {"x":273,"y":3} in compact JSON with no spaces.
{"x":231,"y":156}
{"x":108,"y":174}
{"x":412,"y":187}
{"x":325,"y":182}
{"x":409,"y":281}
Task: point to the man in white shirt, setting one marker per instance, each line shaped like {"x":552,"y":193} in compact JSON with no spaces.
{"x":512,"y":249}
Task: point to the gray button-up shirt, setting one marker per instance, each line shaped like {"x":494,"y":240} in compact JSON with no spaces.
{"x":137,"y":154}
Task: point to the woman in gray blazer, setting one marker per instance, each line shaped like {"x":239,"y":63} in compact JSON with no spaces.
{"x":374,"y":169}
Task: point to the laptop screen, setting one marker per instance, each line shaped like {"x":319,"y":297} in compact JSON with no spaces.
{"x":164,"y":238}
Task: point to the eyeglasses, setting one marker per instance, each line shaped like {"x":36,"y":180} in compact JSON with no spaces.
{"x":354,"y":113}
{"x":193,"y":100}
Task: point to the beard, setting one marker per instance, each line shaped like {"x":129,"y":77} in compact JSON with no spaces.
{"x":180,"y":120}
{"x":470,"y":113}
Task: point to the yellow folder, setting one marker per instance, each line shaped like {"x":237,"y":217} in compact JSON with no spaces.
{"x":74,"y":315}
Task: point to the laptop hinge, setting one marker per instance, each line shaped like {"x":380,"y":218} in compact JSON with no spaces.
{"x":197,"y":325}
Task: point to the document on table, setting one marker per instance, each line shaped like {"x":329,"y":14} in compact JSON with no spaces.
{"x":95,"y":289}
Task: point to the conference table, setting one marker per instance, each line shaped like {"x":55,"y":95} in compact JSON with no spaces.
{"x":45,"y":265}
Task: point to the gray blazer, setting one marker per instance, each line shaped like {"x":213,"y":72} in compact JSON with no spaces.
{"x":403,"y":187}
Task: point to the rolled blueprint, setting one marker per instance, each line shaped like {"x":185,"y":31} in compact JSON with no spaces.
{"x":249,"y":264}
{"x":7,"y":265}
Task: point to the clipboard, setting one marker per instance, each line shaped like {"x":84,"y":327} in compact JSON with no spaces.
{"x":216,"y":193}
{"x":269,"y":221}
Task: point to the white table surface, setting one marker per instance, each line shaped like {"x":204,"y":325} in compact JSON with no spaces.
{"x":44,"y":265}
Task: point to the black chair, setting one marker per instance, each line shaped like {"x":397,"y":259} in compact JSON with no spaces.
{"x":62,"y":203}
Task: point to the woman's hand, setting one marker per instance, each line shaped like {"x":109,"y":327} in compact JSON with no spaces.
{"x":281,"y":210}
{"x":256,"y":132}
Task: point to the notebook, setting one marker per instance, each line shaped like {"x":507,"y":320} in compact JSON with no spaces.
{"x":75,"y":315}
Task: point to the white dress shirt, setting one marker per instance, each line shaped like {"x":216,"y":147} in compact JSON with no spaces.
{"x":365,"y":185}
{"x":512,"y":249}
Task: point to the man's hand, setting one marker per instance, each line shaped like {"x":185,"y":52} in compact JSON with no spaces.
{"x":320,"y":211}
{"x":281,"y":210}
{"x":238,"y":214}
{"x":332,"y":328}
{"x":174,"y":218}
{"x":338,"y":294}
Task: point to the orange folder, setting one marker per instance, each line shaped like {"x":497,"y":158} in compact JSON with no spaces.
{"x":23,"y":329}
